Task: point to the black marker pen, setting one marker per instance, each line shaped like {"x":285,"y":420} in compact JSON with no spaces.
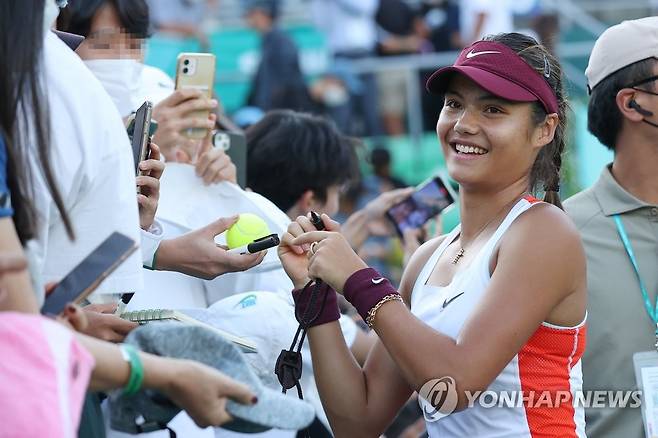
{"x":257,"y":245}
{"x":317,"y":222}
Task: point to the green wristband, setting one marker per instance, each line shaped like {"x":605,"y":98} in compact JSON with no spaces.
{"x":136,"y":369}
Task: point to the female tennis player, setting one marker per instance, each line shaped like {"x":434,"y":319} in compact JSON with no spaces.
{"x":498,"y":304}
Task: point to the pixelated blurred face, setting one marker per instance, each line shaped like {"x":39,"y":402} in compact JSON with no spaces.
{"x":108,"y":40}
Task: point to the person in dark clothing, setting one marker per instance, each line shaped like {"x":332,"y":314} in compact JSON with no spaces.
{"x":380,"y":159}
{"x":396,"y":20}
{"x":278,"y":83}
{"x":440,"y":26}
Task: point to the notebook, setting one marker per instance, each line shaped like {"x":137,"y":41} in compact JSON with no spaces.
{"x":200,"y":317}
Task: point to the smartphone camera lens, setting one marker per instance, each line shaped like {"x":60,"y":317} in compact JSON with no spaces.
{"x":186,"y":62}
{"x":185,"y":70}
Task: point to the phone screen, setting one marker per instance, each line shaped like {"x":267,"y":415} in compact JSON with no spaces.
{"x":426,"y":202}
{"x":140,"y":139}
{"x":89,"y":273}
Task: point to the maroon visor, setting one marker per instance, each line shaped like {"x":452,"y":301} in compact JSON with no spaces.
{"x":499,"y":70}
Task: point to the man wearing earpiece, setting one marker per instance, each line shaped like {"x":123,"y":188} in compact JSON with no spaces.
{"x":618,"y":220}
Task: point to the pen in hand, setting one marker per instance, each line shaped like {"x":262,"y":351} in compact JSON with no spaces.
{"x":316,"y":220}
{"x":123,"y":302}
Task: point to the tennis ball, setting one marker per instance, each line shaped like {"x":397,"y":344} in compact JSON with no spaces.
{"x":248,"y":228}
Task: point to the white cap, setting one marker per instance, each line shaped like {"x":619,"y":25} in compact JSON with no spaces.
{"x":268,"y":320}
{"x":621,"y":45}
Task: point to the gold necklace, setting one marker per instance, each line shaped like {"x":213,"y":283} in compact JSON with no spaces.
{"x":462,"y":250}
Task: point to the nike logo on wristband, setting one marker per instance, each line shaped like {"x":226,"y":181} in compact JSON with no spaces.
{"x":377,"y":280}
{"x":472,"y":54}
{"x":448,"y":301}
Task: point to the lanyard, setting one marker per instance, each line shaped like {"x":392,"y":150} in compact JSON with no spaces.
{"x":652,"y":311}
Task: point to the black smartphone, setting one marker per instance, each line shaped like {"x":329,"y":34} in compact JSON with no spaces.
{"x":89,"y":273}
{"x":235,"y":146}
{"x":430,"y":198}
{"x":141,"y":134}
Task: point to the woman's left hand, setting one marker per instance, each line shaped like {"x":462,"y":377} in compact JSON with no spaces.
{"x":333,"y":260}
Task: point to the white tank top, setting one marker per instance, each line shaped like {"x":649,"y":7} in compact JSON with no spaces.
{"x":550,"y":360}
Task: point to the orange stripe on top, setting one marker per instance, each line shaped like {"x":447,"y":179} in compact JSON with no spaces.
{"x":531,"y":199}
{"x":545,"y":363}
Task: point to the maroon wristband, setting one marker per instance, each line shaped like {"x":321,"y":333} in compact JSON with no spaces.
{"x":326,"y":302}
{"x":365,"y":288}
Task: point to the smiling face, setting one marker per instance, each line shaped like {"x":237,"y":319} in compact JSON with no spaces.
{"x":489,"y":142}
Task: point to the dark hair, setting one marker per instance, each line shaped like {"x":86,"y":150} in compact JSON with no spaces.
{"x":380,"y":157}
{"x":268,"y":7}
{"x":603,"y":116}
{"x":545,"y":171}
{"x":78,"y":15}
{"x":290,"y":153}
{"x":23,"y":106}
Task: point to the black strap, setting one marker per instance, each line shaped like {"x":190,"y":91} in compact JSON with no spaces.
{"x":155,"y":426}
{"x":288,"y":368}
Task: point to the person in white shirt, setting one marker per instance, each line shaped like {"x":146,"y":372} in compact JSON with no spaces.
{"x":113,"y":50}
{"x":478,"y":18}
{"x":352,"y":34}
{"x":88,"y":158}
{"x":92,"y":160}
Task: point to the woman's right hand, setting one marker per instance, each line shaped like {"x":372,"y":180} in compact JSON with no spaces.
{"x":294,"y":258}
{"x":175,"y":114}
{"x":202,"y":391}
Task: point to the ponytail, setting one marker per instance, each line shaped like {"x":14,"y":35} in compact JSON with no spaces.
{"x":552,"y":187}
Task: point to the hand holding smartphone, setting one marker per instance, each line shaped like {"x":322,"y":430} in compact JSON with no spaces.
{"x":140,"y":128}
{"x":235,"y":146}
{"x":89,"y":273}
{"x":430,"y":198}
{"x":196,"y":70}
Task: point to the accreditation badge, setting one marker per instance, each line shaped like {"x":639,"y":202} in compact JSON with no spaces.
{"x":646,"y":375}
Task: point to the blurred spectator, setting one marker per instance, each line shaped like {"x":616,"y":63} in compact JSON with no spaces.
{"x":484,"y":17}
{"x":396,"y":20}
{"x":352,"y":34}
{"x":278,"y":82}
{"x":331,"y":94}
{"x":547,"y":27}
{"x":381,"y":166}
{"x":440,"y":24}
{"x":92,"y":159}
{"x":181,"y":17}
{"x":113,"y":49}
